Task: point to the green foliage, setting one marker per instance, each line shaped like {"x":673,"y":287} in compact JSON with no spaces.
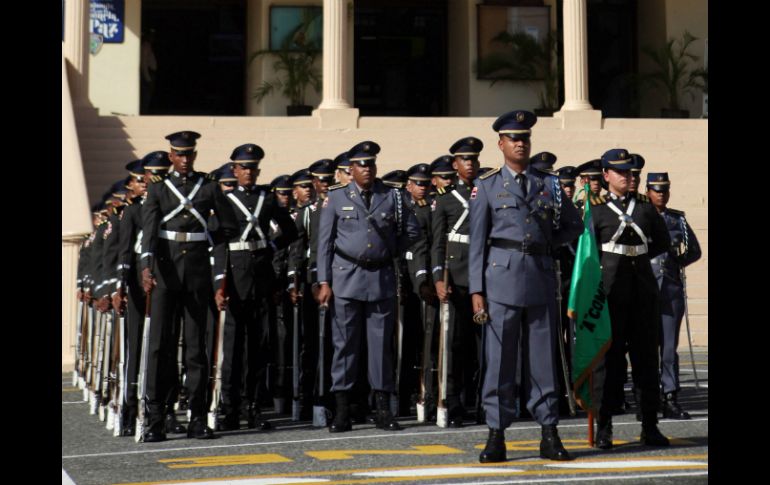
{"x":524,"y":59}
{"x":674,"y":73}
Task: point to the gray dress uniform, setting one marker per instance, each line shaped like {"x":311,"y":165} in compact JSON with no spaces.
{"x":356,"y":251}
{"x":516,"y":274}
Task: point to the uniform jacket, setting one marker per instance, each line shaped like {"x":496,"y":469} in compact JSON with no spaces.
{"x":448,"y":209}
{"x":680,"y":254}
{"x":418,"y":261}
{"x":303,"y":254}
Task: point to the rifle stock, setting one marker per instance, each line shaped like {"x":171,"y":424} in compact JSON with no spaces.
{"x":142,"y":377}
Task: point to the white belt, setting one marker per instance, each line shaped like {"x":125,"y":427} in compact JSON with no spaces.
{"x":247,"y":245}
{"x":625,"y":249}
{"x":460,"y":238}
{"x":182,"y":236}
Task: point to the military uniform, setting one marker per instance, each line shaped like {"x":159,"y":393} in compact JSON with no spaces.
{"x":668,"y":268}
{"x":357,"y":243}
{"x":515,"y":223}
{"x":630,"y":232}
{"x":175,"y":250}
{"x":249,"y":274}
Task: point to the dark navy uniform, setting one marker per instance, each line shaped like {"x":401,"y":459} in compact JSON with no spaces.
{"x":516,"y":221}
{"x":629,"y":232}
{"x":667,"y":268}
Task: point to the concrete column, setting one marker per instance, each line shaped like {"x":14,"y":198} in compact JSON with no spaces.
{"x":76,"y":48}
{"x":575,"y":56}
{"x":335,"y":111}
{"x":335,"y":40}
{"x":69,"y":263}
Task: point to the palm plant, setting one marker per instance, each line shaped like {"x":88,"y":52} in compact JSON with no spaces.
{"x":674,"y":73}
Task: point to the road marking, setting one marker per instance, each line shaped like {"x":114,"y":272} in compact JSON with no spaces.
{"x":630,"y":464}
{"x":688,"y":384}
{"x":421,"y":472}
{"x":689,"y":371}
{"x":71,"y":389}
{"x":257,"y":481}
{"x":65,"y":479}
{"x":479,"y":429}
{"x":225,"y":460}
{"x":417,"y":450}
{"x":74,"y":402}
{"x":585,"y":479}
{"x":534,"y":445}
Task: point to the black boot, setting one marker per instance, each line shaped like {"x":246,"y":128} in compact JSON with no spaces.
{"x":172,"y":425}
{"x":550,"y":444}
{"x":199,"y":430}
{"x":255,"y":418}
{"x":230,"y":422}
{"x":155,"y":430}
{"x":385,"y":418}
{"x":671,"y":408}
{"x":341,"y":420}
{"x":494,"y":451}
{"x":604,"y":433}
{"x":651,"y":435}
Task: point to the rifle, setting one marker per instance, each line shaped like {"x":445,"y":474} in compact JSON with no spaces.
{"x":319,"y":410}
{"x":426,"y":370}
{"x":218,"y":357}
{"x":96,"y":383}
{"x":142,"y":376}
{"x":560,"y":335}
{"x":82,"y":348}
{"x":442,"y":413}
{"x":120,"y":387}
{"x":399,"y":336}
{"x":687,"y":323}
{"x":113,"y":378}
{"x":79,"y":335}
{"x":88,"y":353}
{"x":106,"y":361}
{"x":295,"y":352}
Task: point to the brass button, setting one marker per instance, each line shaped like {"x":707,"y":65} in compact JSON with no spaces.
{"x":494,"y":264}
{"x":184,"y":215}
{"x":505,"y":206}
{"x":369,"y":245}
{"x":526,"y":220}
{"x":529,"y":236}
{"x":184,"y":251}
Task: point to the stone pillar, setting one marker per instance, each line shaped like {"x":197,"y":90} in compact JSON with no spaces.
{"x":69,"y":262}
{"x":575,"y":57}
{"x":335,"y":111}
{"x":76,"y":49}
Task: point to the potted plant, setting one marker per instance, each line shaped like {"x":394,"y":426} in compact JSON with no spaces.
{"x":525,"y":59}
{"x":295,"y":68}
{"x":674,"y":74}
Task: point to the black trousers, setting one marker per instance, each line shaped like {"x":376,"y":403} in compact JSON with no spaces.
{"x":465,"y":341}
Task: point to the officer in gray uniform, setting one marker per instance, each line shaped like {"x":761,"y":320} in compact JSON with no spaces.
{"x":363,"y":228}
{"x":450,"y":225}
{"x":630,"y":232}
{"x":667,"y":268}
{"x":518,"y":215}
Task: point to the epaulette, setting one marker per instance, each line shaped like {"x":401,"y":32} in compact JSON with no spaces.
{"x":675,"y":212}
{"x":422,"y":202}
{"x":445,"y":190}
{"x":642,"y":198}
{"x":337,"y":186}
{"x":156,"y":178}
{"x":597,"y":199}
{"x":490,"y":173}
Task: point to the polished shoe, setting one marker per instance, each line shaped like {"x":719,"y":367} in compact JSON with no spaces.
{"x":341,"y":422}
{"x":494,"y":451}
{"x":672,"y":409}
{"x":129,"y":430}
{"x":604,"y":435}
{"x":550,"y":444}
{"x":455,"y":422}
{"x":651,"y":436}
{"x":174,"y":426}
{"x":154,"y":436}
{"x":385,"y":419}
{"x":199,"y":430}
{"x":255,"y":420}
{"x":230,"y":422}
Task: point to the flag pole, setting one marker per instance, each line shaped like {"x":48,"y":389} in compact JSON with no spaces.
{"x":591,"y":411}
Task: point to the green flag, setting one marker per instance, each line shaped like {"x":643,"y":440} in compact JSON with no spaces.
{"x":588,"y":307}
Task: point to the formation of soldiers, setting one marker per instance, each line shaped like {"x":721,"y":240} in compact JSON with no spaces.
{"x":343,"y":297}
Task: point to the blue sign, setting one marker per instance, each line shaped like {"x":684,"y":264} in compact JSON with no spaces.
{"x":107,"y":20}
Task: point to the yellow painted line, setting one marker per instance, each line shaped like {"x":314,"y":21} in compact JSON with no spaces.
{"x":417,"y":450}
{"x":512,"y":463}
{"x":225,"y":460}
{"x":534,"y":445}
{"x":71,"y":389}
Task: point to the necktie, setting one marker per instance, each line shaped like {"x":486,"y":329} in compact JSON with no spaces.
{"x":522,"y":180}
{"x":367,"y":196}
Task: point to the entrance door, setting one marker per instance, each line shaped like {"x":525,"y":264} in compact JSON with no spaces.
{"x":400,"y":57}
{"x":200,"y":50}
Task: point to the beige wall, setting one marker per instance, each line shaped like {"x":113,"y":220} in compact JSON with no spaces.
{"x":114,"y":70}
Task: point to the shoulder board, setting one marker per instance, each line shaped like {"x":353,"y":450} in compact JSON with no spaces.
{"x":422,"y":203}
{"x":490,"y":173}
{"x":156,"y":178}
{"x":445,"y":190}
{"x":642,"y":198}
{"x":337,"y":186}
{"x":597,"y":199}
{"x":675,"y":212}
{"x":129,"y":202}
{"x":208,"y":176}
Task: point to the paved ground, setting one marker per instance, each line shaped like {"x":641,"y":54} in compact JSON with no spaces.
{"x":299,"y":453}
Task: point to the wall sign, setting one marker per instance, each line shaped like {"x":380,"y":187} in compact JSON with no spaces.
{"x":107,"y":20}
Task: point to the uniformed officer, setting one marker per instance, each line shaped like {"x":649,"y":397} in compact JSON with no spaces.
{"x":131,"y":294}
{"x":543,"y":161}
{"x":226,"y":178}
{"x":363,"y":227}
{"x":176,"y":268}
{"x":566,"y":176}
{"x":636,"y":173}
{"x":249,"y":272}
{"x":450,"y":226}
{"x":422,"y":300}
{"x":591,"y":173}
{"x":395,"y":179}
{"x":342,"y":174}
{"x":524,"y":214}
{"x":442,"y":173}
{"x":668,"y":268}
{"x":630,"y":232}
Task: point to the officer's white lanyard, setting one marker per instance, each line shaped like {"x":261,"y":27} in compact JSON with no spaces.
{"x":463,"y":215}
{"x":253,"y":222}
{"x":186,"y":203}
{"x":626,"y":220}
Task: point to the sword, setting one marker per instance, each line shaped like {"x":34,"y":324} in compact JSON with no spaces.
{"x":319,"y":410}
{"x":560,"y":335}
{"x":687,"y":323}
